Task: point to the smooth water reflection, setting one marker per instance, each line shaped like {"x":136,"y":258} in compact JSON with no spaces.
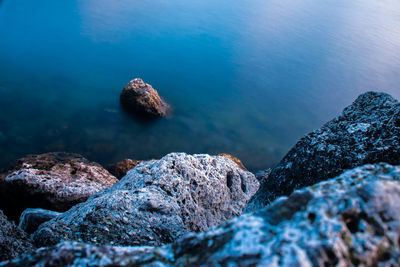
{"x":245,"y":77}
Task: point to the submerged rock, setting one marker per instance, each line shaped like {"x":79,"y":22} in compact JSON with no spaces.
{"x":143,"y":99}
{"x":352,"y":220}
{"x":13,"y":241}
{"x":368,"y":131}
{"x":157,"y":202}
{"x":120,"y":169}
{"x":55,"y":181}
{"x":31,"y":219}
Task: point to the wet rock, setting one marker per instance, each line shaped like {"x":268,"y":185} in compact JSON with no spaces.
{"x":234,"y":159}
{"x":120,"y":169}
{"x":351,"y":220}
{"x":31,"y":219}
{"x":368,"y":131}
{"x":141,"y":98}
{"x":55,"y":181}
{"x":13,"y":241}
{"x":157,"y":202}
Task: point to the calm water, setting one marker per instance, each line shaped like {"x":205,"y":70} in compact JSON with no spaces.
{"x":246,"y":77}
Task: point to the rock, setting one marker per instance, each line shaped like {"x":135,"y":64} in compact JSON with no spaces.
{"x":31,"y":219}
{"x":120,"y":169}
{"x":156,"y":202}
{"x":368,"y":131}
{"x":263,"y":175}
{"x":80,"y":254}
{"x":352,"y":220}
{"x":55,"y":181}
{"x":141,"y":98}
{"x":13,"y":241}
{"x":234,"y":159}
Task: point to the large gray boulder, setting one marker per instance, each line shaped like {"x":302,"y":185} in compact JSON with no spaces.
{"x":368,"y":131}
{"x":351,"y":220}
{"x":55,"y":181}
{"x":157,"y":202}
{"x":13,"y":241}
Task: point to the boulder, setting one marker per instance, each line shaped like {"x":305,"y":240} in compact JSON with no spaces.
{"x":55,"y":181}
{"x":70,"y":253}
{"x":234,"y":159}
{"x":351,"y":220}
{"x":31,"y":219}
{"x":142,"y":99}
{"x":368,"y":131}
{"x":156,"y":202}
{"x":121,"y":168}
{"x":13,"y":241}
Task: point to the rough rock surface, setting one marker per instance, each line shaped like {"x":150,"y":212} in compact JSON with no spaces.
{"x":54,"y":181}
{"x":157,"y":202}
{"x":234,"y":159}
{"x":143,"y":99}
{"x":368,"y":131}
{"x":71,"y":253}
{"x":121,"y":168}
{"x":351,"y":220}
{"x":31,"y":219}
{"x":13,"y":241}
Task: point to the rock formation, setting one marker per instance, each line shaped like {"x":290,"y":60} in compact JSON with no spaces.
{"x":368,"y":131}
{"x":13,"y":241}
{"x":31,"y":219}
{"x":121,"y":168}
{"x":351,"y":220}
{"x":141,"y":98}
{"x":55,"y":181}
{"x":157,"y":202}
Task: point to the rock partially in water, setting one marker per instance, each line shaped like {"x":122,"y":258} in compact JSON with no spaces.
{"x":368,"y":131}
{"x":157,"y":202}
{"x":352,"y":220}
{"x":121,"y":168}
{"x":234,"y":159}
{"x":55,"y":181}
{"x":13,"y":241}
{"x":141,"y":98}
{"x":31,"y":219}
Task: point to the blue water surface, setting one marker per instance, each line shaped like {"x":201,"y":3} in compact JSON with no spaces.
{"x":246,"y":77}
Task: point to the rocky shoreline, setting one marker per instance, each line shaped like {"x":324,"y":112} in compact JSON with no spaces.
{"x":333,"y":200}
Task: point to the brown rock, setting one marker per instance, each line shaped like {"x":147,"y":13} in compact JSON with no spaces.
{"x":234,"y":159}
{"x":141,"y":98}
{"x":55,"y":181}
{"x":120,"y":169}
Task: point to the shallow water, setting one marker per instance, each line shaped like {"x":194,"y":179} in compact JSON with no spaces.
{"x":246,"y":77}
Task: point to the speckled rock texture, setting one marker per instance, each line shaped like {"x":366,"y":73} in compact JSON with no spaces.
{"x":141,"y":98}
{"x":55,"y":181}
{"x":368,"y":131}
{"x":13,"y":241}
{"x":77,"y":254}
{"x":121,"y":168}
{"x":31,"y":219}
{"x":351,"y":220}
{"x":157,"y":202}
